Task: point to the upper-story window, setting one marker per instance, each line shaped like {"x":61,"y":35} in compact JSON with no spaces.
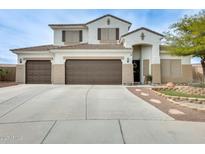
{"x":69,"y":37}
{"x":108,"y":35}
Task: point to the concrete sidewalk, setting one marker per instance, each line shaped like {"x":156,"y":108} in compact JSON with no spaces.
{"x":103,"y":132}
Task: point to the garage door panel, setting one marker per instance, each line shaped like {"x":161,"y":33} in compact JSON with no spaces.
{"x":93,"y":72}
{"x":38,"y":71}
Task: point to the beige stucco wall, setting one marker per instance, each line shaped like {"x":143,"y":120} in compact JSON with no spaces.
{"x":127,"y":73}
{"x":58,"y":74}
{"x":156,"y":73}
{"x":20,"y":73}
{"x":187,"y":73}
{"x":145,"y":67}
{"x":185,"y":77}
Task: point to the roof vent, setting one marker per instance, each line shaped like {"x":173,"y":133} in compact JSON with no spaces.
{"x":142,"y":36}
{"x":108,"y":21}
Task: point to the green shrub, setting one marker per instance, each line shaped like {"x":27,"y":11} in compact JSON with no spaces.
{"x":3,"y":73}
{"x":149,"y":78}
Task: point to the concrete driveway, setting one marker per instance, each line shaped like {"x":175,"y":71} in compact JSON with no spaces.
{"x":87,"y":114}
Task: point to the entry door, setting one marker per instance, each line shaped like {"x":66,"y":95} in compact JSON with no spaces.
{"x":136,"y":70}
{"x":93,"y":72}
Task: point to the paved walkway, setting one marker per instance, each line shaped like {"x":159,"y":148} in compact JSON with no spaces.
{"x":87,"y":114}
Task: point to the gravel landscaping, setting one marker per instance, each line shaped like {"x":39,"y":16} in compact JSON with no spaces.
{"x":176,"y":111}
{"x":190,"y":97}
{"x":173,"y":92}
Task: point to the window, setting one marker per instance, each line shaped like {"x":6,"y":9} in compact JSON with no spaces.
{"x":108,"y":34}
{"x":69,"y":36}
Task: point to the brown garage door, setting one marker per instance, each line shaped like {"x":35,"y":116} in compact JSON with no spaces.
{"x":93,"y":72}
{"x":38,"y":71}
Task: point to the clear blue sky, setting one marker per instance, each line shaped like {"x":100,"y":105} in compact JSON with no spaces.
{"x":23,"y":28}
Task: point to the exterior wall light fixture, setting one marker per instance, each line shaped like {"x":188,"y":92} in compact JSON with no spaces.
{"x":128,"y":59}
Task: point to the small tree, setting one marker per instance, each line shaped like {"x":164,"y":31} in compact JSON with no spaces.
{"x":3,"y":73}
{"x":187,"y":37}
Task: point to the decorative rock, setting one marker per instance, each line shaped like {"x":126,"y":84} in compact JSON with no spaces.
{"x":138,"y":90}
{"x":144,"y":94}
{"x":170,"y":85}
{"x":155,"y":101}
{"x":176,"y":112}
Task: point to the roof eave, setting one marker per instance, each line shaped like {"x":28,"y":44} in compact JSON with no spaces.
{"x":30,"y":51}
{"x":59,"y":26}
{"x":90,"y":50}
{"x":143,"y":28}
{"x":67,"y":26}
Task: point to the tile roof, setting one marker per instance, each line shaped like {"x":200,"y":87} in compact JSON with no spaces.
{"x":93,"y":46}
{"x":75,"y":46}
{"x":67,"y":25}
{"x":84,"y":25}
{"x":36,"y":48}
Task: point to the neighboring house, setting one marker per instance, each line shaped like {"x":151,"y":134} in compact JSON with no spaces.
{"x":102,"y":51}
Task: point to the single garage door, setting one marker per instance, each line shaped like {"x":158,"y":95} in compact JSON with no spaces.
{"x":38,"y":71}
{"x":93,"y":72}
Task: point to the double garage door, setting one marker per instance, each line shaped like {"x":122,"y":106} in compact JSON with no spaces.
{"x":77,"y":72}
{"x":93,"y":72}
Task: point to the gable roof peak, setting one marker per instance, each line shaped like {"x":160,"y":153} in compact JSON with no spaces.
{"x":109,"y":15}
{"x":143,"y":28}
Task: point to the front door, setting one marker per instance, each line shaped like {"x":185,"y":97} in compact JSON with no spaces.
{"x":136,"y":70}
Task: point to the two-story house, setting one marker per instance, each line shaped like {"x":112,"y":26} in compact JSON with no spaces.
{"x":102,"y":51}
